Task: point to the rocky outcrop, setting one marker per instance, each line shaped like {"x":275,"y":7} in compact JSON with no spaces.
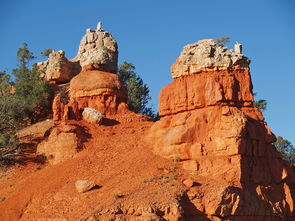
{"x":98,"y":50}
{"x":209,"y":123}
{"x":63,"y":143}
{"x":95,"y":89}
{"x":58,"y":69}
{"x":97,"y":86}
{"x":207,"y":55}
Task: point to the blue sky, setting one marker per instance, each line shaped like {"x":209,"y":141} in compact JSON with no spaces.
{"x":151,"y":35}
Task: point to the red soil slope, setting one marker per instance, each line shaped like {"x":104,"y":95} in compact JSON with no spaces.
{"x":114,"y":157}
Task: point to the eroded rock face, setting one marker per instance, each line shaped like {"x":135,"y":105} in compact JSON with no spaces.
{"x":58,"y":69}
{"x":209,"y":123}
{"x":98,"y":50}
{"x":100,"y":90}
{"x":97,"y":86}
{"x":207,"y":55}
{"x":208,"y":88}
{"x":63,"y":143}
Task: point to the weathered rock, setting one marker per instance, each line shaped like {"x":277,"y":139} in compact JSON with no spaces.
{"x":98,"y":50}
{"x":91,"y":115}
{"x":189,"y":182}
{"x":190,"y":92}
{"x":57,"y":68}
{"x":36,"y":131}
{"x":92,"y":83}
{"x":207,"y":55}
{"x":209,"y":122}
{"x":83,"y":186}
{"x":96,"y":86}
{"x":100,"y":90}
{"x":62,"y":144}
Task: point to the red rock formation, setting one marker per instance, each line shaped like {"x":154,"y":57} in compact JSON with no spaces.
{"x":63,"y":143}
{"x":97,"y":86}
{"x":100,"y":90}
{"x":209,"y":122}
{"x":98,"y":50}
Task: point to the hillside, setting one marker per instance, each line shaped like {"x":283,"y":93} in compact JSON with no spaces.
{"x":209,"y":157}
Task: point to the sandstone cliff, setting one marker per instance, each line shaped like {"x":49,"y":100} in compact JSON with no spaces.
{"x":209,"y":123}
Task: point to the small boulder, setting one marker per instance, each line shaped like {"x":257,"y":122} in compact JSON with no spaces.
{"x":91,"y":115}
{"x":188,"y":182}
{"x":83,"y":186}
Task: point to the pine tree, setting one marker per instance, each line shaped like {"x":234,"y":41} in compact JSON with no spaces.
{"x":36,"y":93}
{"x":138,"y":91}
{"x":286,"y":148}
{"x":46,"y":52}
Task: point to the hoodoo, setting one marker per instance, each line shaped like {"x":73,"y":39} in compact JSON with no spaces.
{"x":96,"y":86}
{"x":209,"y":123}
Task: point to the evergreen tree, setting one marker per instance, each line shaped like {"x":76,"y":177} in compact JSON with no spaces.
{"x":11,"y":110}
{"x":283,"y":146}
{"x":286,"y":148}
{"x":24,"y":101}
{"x":260,"y":104}
{"x":24,"y":57}
{"x":36,"y":93}
{"x":46,"y":52}
{"x":138,"y":91}
{"x":222,"y":40}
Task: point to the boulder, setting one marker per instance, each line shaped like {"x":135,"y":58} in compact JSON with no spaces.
{"x":83,"y":186}
{"x":91,"y":115}
{"x":98,"y":50}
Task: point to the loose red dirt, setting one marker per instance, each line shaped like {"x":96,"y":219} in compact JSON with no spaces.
{"x":115,"y":157}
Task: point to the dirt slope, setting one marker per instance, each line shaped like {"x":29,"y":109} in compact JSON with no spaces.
{"x":115,"y":157}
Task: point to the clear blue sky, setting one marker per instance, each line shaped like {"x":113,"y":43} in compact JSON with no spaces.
{"x":151,"y":35}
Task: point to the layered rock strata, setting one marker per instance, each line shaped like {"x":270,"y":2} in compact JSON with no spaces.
{"x":97,"y":86}
{"x":209,"y":123}
{"x":95,"y":89}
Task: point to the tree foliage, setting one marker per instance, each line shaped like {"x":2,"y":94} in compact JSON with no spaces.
{"x":286,"y":148}
{"x":24,"y":101}
{"x":24,"y":56}
{"x":10,"y":118}
{"x":138,"y":91}
{"x":260,"y":104}
{"x":46,"y":52}
{"x":282,"y":145}
{"x":36,"y":93}
{"x":222,"y":40}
